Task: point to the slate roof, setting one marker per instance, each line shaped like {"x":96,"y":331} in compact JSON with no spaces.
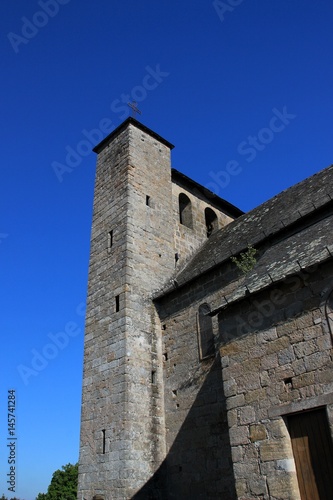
{"x":297,"y":252}
{"x":100,"y":146}
{"x":284,"y":213}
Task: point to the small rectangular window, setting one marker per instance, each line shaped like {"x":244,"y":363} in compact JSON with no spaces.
{"x":148,"y":201}
{"x":153,"y":377}
{"x":117,"y":303}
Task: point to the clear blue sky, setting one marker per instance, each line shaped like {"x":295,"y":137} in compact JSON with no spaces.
{"x":224,"y":75}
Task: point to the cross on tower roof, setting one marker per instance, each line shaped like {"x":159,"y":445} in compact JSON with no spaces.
{"x":134,"y":107}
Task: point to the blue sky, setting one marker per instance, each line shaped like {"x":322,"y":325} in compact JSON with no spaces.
{"x":242,"y":88}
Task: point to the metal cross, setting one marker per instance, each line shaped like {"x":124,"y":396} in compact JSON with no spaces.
{"x":135,"y":109}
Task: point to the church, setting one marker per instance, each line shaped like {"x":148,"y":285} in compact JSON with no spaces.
{"x":208,"y":336}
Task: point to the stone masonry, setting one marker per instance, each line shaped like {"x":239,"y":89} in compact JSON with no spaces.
{"x":135,"y":237}
{"x":273,"y":368}
{"x":201,"y":381}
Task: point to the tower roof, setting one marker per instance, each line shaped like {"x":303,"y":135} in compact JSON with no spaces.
{"x":123,"y":126}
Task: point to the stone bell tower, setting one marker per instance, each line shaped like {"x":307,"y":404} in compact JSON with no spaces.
{"x":131,"y":255}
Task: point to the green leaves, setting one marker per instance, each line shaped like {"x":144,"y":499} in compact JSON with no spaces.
{"x":63,"y":485}
{"x":246,"y":260}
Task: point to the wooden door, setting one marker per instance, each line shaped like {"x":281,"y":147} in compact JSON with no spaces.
{"x":313,"y":453}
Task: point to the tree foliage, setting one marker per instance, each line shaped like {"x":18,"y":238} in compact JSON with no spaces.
{"x":246,"y":260}
{"x":63,"y":484}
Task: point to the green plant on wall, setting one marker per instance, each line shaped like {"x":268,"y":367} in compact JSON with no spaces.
{"x":246,"y":260}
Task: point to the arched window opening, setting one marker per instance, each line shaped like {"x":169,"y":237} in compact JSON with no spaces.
{"x":185,"y":211}
{"x":211,"y":221}
{"x":329,"y":312}
{"x":205,"y":332}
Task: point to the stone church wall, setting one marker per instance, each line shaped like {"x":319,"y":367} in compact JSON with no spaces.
{"x":226,"y":416}
{"x":198,"y":460}
{"x":276,"y":353}
{"x":183,"y":398}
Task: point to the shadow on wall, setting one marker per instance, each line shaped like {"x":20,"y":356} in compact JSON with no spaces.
{"x":198,"y":464}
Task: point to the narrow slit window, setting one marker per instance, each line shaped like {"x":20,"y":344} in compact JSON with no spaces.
{"x":110,"y":240}
{"x":103,"y":442}
{"x":117,"y":303}
{"x":205,"y":332}
{"x":148,"y":201}
{"x":153,"y":377}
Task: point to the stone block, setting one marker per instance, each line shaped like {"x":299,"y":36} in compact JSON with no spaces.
{"x":312,"y":332}
{"x":264,"y":378}
{"x":248,"y":382}
{"x":235,"y":401}
{"x":230,"y":388}
{"x":305,"y":348}
{"x":257,"y":432}
{"x":277,"y":429}
{"x":251,"y":452}
{"x":286,"y":328}
{"x":296,"y":337}
{"x":270,"y":361}
{"x":324,"y":376}
{"x":241,"y":487}
{"x":255,"y":395}
{"x":257,"y":485}
{"x":273,"y":450}
{"x":316,"y":360}
{"x":267,"y":336}
{"x":304,"y":321}
{"x":237,"y":453}
{"x":287,"y":465}
{"x":277,"y":345}
{"x":324,"y":342}
{"x":303,"y":380}
{"x":232,"y":417}
{"x":246,"y":415}
{"x":286,"y":356}
{"x":238,"y":435}
{"x":246,"y":469}
{"x":282,"y":486}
